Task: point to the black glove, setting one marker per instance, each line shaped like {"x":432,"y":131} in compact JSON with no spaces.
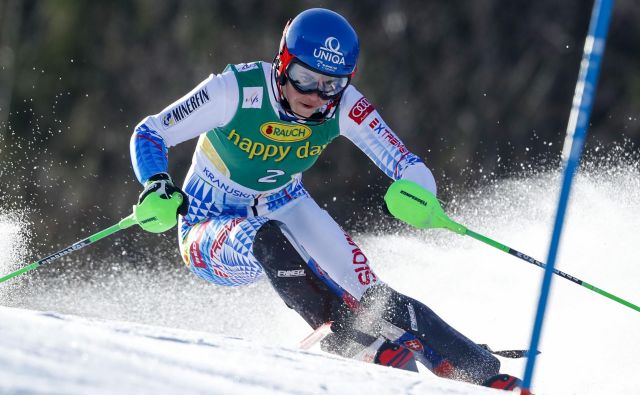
{"x":162,"y":185}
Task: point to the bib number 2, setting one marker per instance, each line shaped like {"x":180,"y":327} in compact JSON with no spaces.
{"x":271,"y":177}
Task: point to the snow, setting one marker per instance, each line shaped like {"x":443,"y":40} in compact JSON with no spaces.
{"x":125,"y":329}
{"x":50,"y":353}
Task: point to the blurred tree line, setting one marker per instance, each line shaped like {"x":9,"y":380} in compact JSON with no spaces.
{"x":480,"y":89}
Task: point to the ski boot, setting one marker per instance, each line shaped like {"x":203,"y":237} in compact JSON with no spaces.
{"x":364,"y":347}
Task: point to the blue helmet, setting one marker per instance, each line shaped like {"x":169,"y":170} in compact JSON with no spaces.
{"x":321,"y":39}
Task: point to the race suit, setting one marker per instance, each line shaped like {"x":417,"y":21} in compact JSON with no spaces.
{"x":246,"y":171}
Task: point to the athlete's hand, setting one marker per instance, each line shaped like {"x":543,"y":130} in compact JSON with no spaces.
{"x":160,"y":203}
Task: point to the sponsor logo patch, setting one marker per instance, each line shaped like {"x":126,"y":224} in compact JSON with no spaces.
{"x":196,"y":257}
{"x":167,"y":120}
{"x":285,"y":132}
{"x":377,"y":126}
{"x":329,"y":54}
{"x":252,"y":97}
{"x":66,"y":251}
{"x":194,"y":249}
{"x":412,"y":316}
{"x":223,"y":234}
{"x":242,"y":67}
{"x":184,"y":109}
{"x":256,"y":149}
{"x":220,"y":184}
{"x":393,"y":140}
{"x":291,"y":273}
{"x":365,"y":275}
{"x":360,"y":110}
{"x":381,"y":129}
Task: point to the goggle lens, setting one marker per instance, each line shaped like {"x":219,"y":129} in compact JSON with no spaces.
{"x":309,"y":81}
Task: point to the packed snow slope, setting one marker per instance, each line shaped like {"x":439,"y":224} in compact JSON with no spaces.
{"x":590,"y":344}
{"x":49,"y":353}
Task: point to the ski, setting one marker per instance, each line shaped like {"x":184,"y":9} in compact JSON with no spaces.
{"x":316,"y":336}
{"x":325,"y":329}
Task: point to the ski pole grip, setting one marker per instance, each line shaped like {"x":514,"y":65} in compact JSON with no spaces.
{"x":415,"y":205}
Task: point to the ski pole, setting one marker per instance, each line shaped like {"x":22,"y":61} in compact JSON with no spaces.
{"x":123,"y":224}
{"x":154,"y":214}
{"x":562,"y":274}
{"x":413,"y":204}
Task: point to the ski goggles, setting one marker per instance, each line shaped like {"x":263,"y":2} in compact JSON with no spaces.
{"x":306,"y":81}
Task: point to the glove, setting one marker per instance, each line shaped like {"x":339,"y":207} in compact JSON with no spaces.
{"x":163,"y":186}
{"x":160,"y":203}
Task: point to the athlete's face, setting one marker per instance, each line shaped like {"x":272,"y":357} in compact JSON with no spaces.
{"x":303,"y":104}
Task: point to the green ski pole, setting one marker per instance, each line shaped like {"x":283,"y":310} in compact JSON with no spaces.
{"x":416,"y":206}
{"x":155,"y":214}
{"x":123,"y":224}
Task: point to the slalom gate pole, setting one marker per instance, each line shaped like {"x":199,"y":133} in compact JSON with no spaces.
{"x":574,"y":141}
{"x":123,"y":224}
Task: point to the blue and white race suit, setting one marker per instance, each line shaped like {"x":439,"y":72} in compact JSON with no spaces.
{"x":216,"y":236}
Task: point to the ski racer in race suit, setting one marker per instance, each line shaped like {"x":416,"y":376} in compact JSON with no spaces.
{"x":247,"y":213}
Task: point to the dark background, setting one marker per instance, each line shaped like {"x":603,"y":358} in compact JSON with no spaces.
{"x":480,"y":89}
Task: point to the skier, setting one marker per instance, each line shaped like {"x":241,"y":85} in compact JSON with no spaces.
{"x":245,"y":212}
